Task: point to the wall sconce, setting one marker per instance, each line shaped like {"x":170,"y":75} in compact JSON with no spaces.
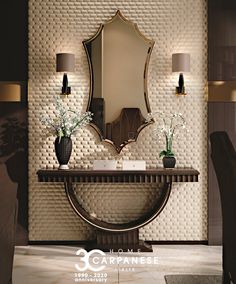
{"x":65,"y":62}
{"x":10,"y":92}
{"x":181,"y":63}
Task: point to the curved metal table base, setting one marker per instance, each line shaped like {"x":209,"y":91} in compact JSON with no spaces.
{"x":124,"y":236}
{"x":111,"y":227}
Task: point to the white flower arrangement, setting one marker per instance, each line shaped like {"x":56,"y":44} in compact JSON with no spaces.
{"x":168,"y":129}
{"x":65,"y":121}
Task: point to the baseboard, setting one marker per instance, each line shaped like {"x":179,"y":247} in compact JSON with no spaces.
{"x":202,"y":242}
{"x":83,"y":243}
{"x":60,"y":243}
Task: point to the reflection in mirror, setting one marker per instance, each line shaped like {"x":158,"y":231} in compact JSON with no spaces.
{"x":118,"y":56}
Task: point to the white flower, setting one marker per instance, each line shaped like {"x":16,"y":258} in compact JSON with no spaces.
{"x":66,"y":121}
{"x":168,"y":129}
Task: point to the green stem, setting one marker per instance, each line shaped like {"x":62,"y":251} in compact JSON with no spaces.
{"x":79,"y":122}
{"x":169,"y":143}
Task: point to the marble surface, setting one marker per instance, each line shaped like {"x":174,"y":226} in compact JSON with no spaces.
{"x":56,"y":264}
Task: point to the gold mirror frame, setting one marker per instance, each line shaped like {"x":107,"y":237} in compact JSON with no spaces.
{"x":145,"y":73}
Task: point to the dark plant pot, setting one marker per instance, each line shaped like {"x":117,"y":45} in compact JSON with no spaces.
{"x":63,"y":150}
{"x":169,"y":162}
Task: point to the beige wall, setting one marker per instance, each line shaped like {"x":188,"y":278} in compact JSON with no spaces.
{"x":61,"y":26}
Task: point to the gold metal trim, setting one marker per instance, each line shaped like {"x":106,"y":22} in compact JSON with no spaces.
{"x":145,"y":75}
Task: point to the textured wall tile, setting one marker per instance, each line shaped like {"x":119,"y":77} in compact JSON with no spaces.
{"x":61,"y":26}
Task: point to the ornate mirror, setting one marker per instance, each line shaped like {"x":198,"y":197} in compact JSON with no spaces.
{"x":118,"y":56}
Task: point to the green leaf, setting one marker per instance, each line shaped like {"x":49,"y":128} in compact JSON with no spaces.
{"x":162,"y":153}
{"x":167,"y":153}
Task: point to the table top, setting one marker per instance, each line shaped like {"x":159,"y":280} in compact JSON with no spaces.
{"x":111,"y":176}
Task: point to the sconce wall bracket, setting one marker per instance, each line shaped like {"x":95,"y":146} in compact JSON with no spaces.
{"x":65,"y":90}
{"x":180,"y":90}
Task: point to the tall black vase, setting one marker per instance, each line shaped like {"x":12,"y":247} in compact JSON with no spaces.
{"x":63,"y":148}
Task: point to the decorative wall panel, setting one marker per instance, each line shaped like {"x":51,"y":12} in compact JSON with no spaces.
{"x":61,"y":26}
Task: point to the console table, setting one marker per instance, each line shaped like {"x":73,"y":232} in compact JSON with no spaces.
{"x":119,"y":236}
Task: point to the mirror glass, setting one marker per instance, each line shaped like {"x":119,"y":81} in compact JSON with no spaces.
{"x":118,"y":56}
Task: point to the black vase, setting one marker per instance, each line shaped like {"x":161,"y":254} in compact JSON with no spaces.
{"x":169,"y":162}
{"x":63,"y":148}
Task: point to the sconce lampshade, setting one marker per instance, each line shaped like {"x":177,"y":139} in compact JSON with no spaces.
{"x":65,"y":62}
{"x":10,"y":92}
{"x":181,"y":62}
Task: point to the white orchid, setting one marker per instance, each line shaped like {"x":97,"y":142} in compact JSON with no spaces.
{"x":168,"y":129}
{"x":65,"y":121}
